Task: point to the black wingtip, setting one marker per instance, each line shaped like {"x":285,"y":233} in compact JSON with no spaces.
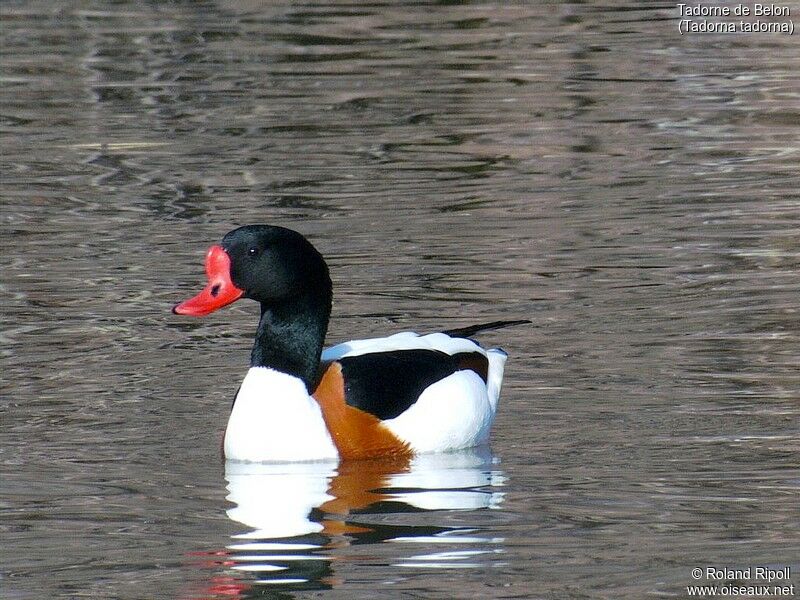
{"x":473,"y":329}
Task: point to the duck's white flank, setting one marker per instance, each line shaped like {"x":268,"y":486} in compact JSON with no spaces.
{"x":275,"y":419}
{"x":453,"y":413}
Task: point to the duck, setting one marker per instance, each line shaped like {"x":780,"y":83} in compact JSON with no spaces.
{"x":389,"y":397}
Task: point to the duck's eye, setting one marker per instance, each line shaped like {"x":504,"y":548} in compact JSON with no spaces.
{"x":253,"y":252}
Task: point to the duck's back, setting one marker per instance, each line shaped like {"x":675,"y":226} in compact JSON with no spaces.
{"x":407,"y":393}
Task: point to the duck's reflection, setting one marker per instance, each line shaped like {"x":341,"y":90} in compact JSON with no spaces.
{"x":300,"y":517}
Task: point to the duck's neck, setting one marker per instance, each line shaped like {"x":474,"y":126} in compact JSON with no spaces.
{"x":290,"y":337}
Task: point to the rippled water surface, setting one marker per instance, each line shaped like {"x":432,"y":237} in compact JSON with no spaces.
{"x":630,"y":190}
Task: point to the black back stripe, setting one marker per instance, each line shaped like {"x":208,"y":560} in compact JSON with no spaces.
{"x":386,"y":384}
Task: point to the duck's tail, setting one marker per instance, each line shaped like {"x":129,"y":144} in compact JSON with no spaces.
{"x":473,"y":329}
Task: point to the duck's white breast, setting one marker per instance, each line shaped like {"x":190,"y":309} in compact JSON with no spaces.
{"x":274,"y":419}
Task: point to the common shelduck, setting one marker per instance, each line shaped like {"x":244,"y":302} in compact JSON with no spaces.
{"x":394,"y":396}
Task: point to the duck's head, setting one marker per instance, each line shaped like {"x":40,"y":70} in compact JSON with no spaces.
{"x":272,"y":265}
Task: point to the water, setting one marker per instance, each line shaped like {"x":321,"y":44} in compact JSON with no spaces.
{"x":630,"y":190}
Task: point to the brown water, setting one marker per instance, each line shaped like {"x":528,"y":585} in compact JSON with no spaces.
{"x":631,"y":190}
